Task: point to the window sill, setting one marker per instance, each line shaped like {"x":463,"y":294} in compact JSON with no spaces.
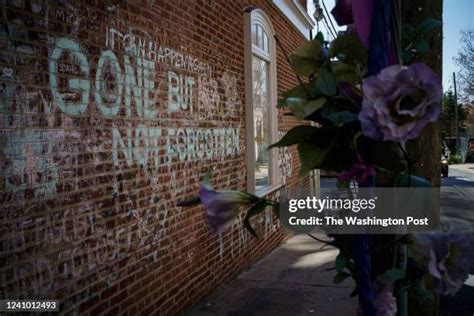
{"x":268,"y":190}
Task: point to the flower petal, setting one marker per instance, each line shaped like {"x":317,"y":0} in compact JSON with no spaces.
{"x":399,"y":102}
{"x":222,"y":206}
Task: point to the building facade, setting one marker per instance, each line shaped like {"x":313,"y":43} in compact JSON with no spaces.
{"x":111,"y":112}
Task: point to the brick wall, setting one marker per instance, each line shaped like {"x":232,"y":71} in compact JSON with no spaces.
{"x":104,"y":110}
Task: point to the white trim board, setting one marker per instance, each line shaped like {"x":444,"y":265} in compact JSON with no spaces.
{"x":297,"y":15}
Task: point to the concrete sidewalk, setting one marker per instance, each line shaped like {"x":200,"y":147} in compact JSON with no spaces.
{"x":291,"y":280}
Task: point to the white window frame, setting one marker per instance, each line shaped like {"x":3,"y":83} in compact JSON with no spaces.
{"x":250,"y":18}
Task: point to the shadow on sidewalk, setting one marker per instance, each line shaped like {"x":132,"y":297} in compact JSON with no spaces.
{"x":291,"y":280}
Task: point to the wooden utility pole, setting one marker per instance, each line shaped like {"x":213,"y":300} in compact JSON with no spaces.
{"x":456,"y":117}
{"x":413,"y":13}
{"x":428,"y":163}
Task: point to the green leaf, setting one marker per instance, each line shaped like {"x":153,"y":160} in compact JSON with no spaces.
{"x":326,"y":83}
{"x":394,"y":274}
{"x":314,"y":105}
{"x":340,"y":277}
{"x":302,"y":110}
{"x":428,"y":25}
{"x":299,"y":91}
{"x":345,"y":102}
{"x":305,"y":59}
{"x":296,"y":96}
{"x":349,"y":49}
{"x":319,"y":136}
{"x":309,"y":49}
{"x":303,"y":66}
{"x":295,"y":102}
{"x":297,"y":107}
{"x":341,"y":261}
{"x":343,"y":117}
{"x":296,"y":135}
{"x":311,"y":156}
{"x":345,"y":72}
{"x":256,"y":209}
{"x":421,"y":46}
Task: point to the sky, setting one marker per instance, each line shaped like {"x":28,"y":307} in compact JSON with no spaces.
{"x":457,"y":15}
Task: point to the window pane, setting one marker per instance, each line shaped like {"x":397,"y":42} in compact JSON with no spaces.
{"x":260,"y":36}
{"x":254,"y":34}
{"x":265,"y":42}
{"x":260,"y":70}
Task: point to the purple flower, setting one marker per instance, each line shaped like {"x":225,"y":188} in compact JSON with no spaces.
{"x":399,"y":102}
{"x":222,"y":206}
{"x":448,"y":258}
{"x":360,"y":172}
{"x":384,"y":300}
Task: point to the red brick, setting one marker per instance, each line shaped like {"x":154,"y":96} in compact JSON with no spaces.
{"x":112,"y":230}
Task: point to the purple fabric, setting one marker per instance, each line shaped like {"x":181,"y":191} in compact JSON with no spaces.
{"x":357,"y":12}
{"x":362,"y":13}
{"x":357,"y":15}
{"x":379,"y":41}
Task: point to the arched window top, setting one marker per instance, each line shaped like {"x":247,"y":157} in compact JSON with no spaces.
{"x":262,"y":32}
{"x":260,"y":37}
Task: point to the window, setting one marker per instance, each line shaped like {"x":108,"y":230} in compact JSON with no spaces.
{"x":260,"y":102}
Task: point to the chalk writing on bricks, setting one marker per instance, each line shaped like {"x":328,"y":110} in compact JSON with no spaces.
{"x":81,"y":84}
{"x":108,"y":116}
{"x":153,"y":51}
{"x":182,"y":143}
{"x":285,"y":164}
{"x":30,"y":161}
{"x":105,"y":110}
{"x":138,"y":85}
{"x":131,"y":86}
